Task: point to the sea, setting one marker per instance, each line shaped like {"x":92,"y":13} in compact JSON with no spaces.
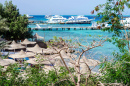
{"x":84,"y":36}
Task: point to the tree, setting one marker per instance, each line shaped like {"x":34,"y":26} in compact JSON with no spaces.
{"x":76,"y":61}
{"x":17,"y":23}
{"x":3,"y":26}
{"x":117,"y":69}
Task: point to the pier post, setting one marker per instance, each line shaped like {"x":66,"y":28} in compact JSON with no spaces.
{"x":74,"y":28}
{"x":68,"y":28}
{"x":86,"y":28}
{"x":56,"y":28}
{"x":80,"y":28}
{"x":62,"y":28}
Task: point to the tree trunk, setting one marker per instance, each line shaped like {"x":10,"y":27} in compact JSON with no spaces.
{"x":78,"y":83}
{"x":78,"y":74}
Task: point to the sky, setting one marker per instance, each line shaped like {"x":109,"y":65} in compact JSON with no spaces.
{"x":58,"y":7}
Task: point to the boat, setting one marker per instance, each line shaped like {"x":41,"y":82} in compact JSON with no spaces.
{"x":29,"y":16}
{"x":96,"y":25}
{"x":78,"y":20}
{"x":48,"y":16}
{"x":56,"y":19}
{"x":125,"y":21}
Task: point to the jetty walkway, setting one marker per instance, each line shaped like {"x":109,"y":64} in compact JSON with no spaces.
{"x":64,"y":28}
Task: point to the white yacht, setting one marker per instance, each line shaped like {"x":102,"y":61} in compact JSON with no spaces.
{"x":126,"y":22}
{"x":101,"y":25}
{"x":29,"y":16}
{"x":48,"y":16}
{"x":56,"y":19}
{"x":78,"y":20}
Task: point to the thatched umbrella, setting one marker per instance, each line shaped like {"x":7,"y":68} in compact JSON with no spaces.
{"x":90,"y":62}
{"x":63,"y":54}
{"x":40,"y":61}
{"x":59,"y":63}
{"x":22,"y":54}
{"x":5,"y":62}
{"x":70,"y":64}
{"x":14,"y":46}
{"x":38,"y":37}
{"x":72,"y":55}
{"x":26,"y":42}
{"x":49,"y":51}
{"x":35,"y":49}
{"x":84,"y":69}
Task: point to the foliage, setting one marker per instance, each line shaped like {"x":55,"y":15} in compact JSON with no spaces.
{"x":119,"y":68}
{"x":17,"y":23}
{"x":37,"y":77}
{"x":34,"y":77}
{"x":3,"y":26}
{"x":111,"y":13}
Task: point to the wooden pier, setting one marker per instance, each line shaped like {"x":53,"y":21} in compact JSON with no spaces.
{"x":66,"y":28}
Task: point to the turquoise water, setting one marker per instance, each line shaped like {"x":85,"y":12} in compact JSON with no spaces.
{"x":106,"y":49}
{"x":96,"y":53}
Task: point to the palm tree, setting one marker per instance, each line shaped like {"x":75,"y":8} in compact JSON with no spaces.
{"x":3,"y":25}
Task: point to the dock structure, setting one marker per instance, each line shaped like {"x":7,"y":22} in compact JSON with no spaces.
{"x":65,"y":28}
{"x":33,"y":22}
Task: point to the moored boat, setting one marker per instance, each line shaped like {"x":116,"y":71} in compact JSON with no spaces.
{"x":56,"y":19}
{"x":78,"y":20}
{"x":29,"y":16}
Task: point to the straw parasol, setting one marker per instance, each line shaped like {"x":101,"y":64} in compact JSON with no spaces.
{"x":22,"y":54}
{"x":26,"y":42}
{"x":90,"y":62}
{"x":84,"y":69}
{"x":35,"y":49}
{"x":14,"y":46}
{"x":5,"y":62}
{"x":63,"y":54}
{"x":40,"y":61}
{"x":49,"y":51}
{"x":58,"y":63}
{"x":70,"y":64}
{"x":38,"y":37}
{"x":72,"y":55}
